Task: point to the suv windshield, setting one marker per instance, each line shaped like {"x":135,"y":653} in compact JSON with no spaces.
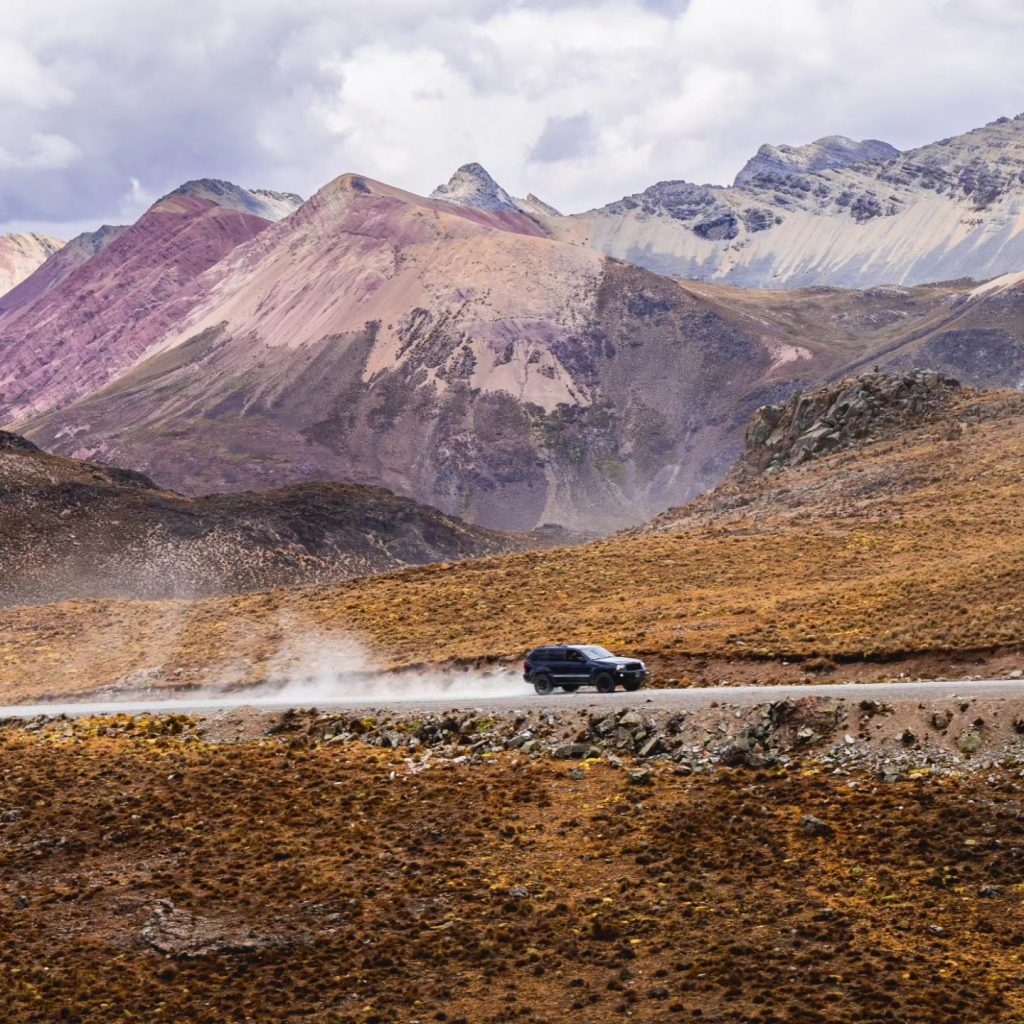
{"x":597,"y":653}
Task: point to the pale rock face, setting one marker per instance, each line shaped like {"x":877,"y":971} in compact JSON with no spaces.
{"x":472,"y":186}
{"x":829,"y":153}
{"x":835,"y":212}
{"x":536,"y":206}
{"x":21,"y":254}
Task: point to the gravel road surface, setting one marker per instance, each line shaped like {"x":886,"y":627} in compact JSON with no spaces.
{"x":585,"y":700}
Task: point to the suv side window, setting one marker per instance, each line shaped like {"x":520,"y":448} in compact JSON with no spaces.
{"x":545,"y":654}
{"x":574,"y":656}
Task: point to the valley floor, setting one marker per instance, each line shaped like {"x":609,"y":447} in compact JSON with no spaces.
{"x":291,"y":869}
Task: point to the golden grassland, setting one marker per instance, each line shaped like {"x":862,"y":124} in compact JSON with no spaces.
{"x":159,"y":877}
{"x":908,"y":547}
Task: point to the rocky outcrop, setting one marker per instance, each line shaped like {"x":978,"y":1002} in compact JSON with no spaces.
{"x":472,"y":186}
{"x":827,"y":154}
{"x":15,"y":443}
{"x":851,"y":412}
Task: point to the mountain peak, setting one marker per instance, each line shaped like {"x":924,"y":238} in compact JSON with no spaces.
{"x":831,"y":152}
{"x":21,"y":255}
{"x":471,"y":185}
{"x":259,"y":202}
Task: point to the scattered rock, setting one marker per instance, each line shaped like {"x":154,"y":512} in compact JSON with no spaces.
{"x":651,"y":747}
{"x":969,"y":742}
{"x":179,"y":933}
{"x":641,"y":777}
{"x":816,"y":827}
{"x":568,"y":751}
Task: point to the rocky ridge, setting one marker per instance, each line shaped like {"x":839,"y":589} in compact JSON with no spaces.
{"x":826,"y":154}
{"x":472,"y":186}
{"x":835,"y":212}
{"x":258,"y":202}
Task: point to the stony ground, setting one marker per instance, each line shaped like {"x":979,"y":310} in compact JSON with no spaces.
{"x":316,"y":868}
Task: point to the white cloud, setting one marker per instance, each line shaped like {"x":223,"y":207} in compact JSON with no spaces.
{"x":44,"y":153}
{"x":288,"y":95}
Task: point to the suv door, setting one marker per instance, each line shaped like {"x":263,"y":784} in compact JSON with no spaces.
{"x":576,"y":668}
{"x":556,"y":665}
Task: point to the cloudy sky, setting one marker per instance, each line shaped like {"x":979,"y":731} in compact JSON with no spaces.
{"x":106,"y":105}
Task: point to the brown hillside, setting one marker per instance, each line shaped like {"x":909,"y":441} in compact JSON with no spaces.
{"x":81,"y":529}
{"x":904,"y":547}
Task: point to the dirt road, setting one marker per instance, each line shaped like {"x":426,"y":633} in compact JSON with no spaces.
{"x":497,"y":699}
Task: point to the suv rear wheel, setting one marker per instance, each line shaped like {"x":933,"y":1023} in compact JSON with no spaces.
{"x":604,"y":683}
{"x":543,"y":685}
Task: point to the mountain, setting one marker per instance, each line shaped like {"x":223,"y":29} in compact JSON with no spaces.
{"x":871,"y":528}
{"x":71,"y":335}
{"x":469,"y":352}
{"x":451,"y":353}
{"x":472,"y":186}
{"x":259,"y":202}
{"x":827,"y":154}
{"x":836,"y":212}
{"x":455,"y":354}
{"x":56,"y":267}
{"x":21,"y":254}
{"x":71,"y":529}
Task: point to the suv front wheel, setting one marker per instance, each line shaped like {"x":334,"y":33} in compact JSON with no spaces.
{"x":543,"y":685}
{"x":604,"y":682}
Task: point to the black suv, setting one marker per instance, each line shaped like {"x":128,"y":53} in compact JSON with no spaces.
{"x":571,"y":666}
